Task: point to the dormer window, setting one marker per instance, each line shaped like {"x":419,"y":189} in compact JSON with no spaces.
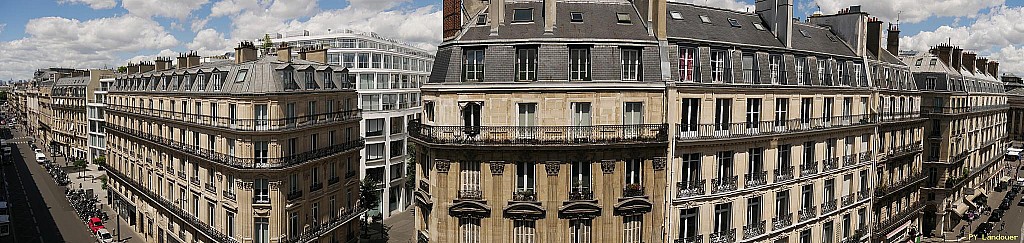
{"x":705,"y":19}
{"x":676,"y":15}
{"x":624,"y":18}
{"x":481,"y":19}
{"x":576,"y":17}
{"x":734,"y":23}
{"x":804,"y":33}
{"x":522,"y":15}
{"x":759,"y":26}
{"x":918,"y":63}
{"x":932,"y":62}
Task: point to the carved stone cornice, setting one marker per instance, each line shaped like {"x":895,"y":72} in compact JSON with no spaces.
{"x":608,"y":166}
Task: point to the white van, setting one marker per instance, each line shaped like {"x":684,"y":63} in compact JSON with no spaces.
{"x":40,"y":157}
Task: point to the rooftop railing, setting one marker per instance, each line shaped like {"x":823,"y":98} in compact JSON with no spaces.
{"x":539,"y":135}
{"x":688,"y":132}
{"x":242,"y":124}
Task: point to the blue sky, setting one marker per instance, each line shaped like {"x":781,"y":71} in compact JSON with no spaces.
{"x":99,"y":33}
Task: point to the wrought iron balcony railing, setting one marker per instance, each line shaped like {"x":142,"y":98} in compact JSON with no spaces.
{"x":316,"y":186}
{"x":691,"y":188}
{"x":539,"y":135}
{"x":808,"y":213}
{"x":849,"y":160}
{"x":898,"y":116}
{"x":690,"y":239}
{"x":726,"y":236}
{"x":828,"y":206}
{"x":524,"y":195}
{"x":228,"y":194}
{"x":884,"y":226}
{"x":903,"y":182}
{"x":333,"y":180}
{"x":903,"y":151}
{"x":753,"y":230}
{"x":782,"y":221}
{"x":786,"y":173}
{"x":471,"y":194}
{"x":581,"y":194}
{"x":319,"y":229}
{"x":863,"y":194}
{"x":210,"y":187}
{"x":756,"y":178}
{"x":946,"y":110}
{"x":830,"y":164}
{"x":721,"y":185}
{"x":847,"y":200}
{"x":239,"y":124}
{"x":689,"y":132}
{"x":633,"y":190}
{"x":808,"y":169}
{"x":296,"y":194}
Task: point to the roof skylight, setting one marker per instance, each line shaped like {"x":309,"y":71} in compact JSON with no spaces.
{"x":734,"y":23}
{"x":705,"y":19}
{"x":624,"y":18}
{"x":576,"y":17}
{"x":676,"y":15}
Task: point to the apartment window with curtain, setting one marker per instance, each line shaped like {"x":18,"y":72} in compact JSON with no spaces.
{"x":841,"y":74}
{"x":781,"y":203}
{"x":753,"y":211}
{"x":689,"y":64}
{"x":473,"y":65}
{"x":581,"y":115}
{"x":261,"y":230}
{"x":526,"y":63}
{"x":634,"y":172}
{"x":689,"y":223}
{"x":720,"y":66}
{"x":802,"y":72}
{"x":690,"y":170}
{"x":525,"y":176}
{"x":806,"y":106}
{"x":527,"y":120}
{"x":260,"y":151}
{"x":524,"y":231}
{"x":579,"y":63}
{"x":580,"y":177}
{"x":580,"y":230}
{"x":469,"y":230}
{"x":725,"y":164}
{"x":471,"y":118}
{"x":630,"y":64}
{"x":826,"y":110}
{"x":807,"y":196}
{"x":753,"y":114}
{"x":632,"y":231}
{"x":690,"y":117}
{"x":723,"y":217}
{"x":633,"y":115}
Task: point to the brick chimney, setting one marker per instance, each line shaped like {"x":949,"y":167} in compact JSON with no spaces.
{"x":162,"y":63}
{"x":943,"y":51}
{"x":452,"y":19}
{"x":893,"y":40}
{"x":284,"y":53}
{"x":496,"y":14}
{"x":982,"y":64}
{"x":955,"y":56}
{"x":180,"y":62}
{"x":313,"y":53}
{"x":779,"y":16}
{"x":131,"y":69}
{"x":874,"y":40}
{"x":993,"y":68}
{"x":192,"y":59}
{"x":146,"y":67}
{"x":968,"y":60}
{"x":245,"y":52}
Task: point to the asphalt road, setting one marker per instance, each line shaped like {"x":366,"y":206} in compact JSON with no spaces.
{"x":40,"y":212}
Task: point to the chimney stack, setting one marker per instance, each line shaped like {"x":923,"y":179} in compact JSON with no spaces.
{"x":163,"y":63}
{"x":779,"y":16}
{"x":943,"y":50}
{"x":130,"y":68}
{"x":968,"y":60}
{"x":874,"y":41}
{"x":955,"y":58}
{"x":284,"y":53}
{"x":452,"y":19}
{"x":549,"y":16}
{"x":245,"y":52}
{"x":180,"y":62}
{"x":192,"y":59}
{"x":993,"y":68}
{"x":893,"y":40}
{"x":496,"y":14}
{"x":146,"y":67}
{"x":315,"y":53}
{"x":982,"y":64}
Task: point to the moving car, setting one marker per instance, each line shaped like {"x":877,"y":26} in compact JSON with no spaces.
{"x":40,"y":157}
{"x":95,"y":224}
{"x":104,"y":236}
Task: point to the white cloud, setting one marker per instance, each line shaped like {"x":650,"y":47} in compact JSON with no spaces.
{"x":997,"y":33}
{"x":61,"y":42}
{"x":289,"y":9}
{"x":2,"y":27}
{"x":198,"y":24}
{"x":375,"y":5}
{"x":180,"y":9}
{"x":150,"y":58}
{"x":209,"y":42}
{"x":231,"y":7}
{"x":419,"y":27}
{"x":1011,"y":60}
{"x":94,"y":4}
{"x":912,"y":11}
{"x":738,"y":5}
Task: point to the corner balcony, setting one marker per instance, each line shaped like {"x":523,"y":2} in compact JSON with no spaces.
{"x":903,"y":182}
{"x":885,"y":226}
{"x":539,"y":135}
{"x":899,"y":116}
{"x":902,"y":151}
{"x":239,"y":124}
{"x":700,"y":132}
{"x":320,"y":230}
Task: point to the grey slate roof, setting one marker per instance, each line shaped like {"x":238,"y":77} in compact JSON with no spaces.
{"x":821,"y":40}
{"x":262,"y":76}
{"x":886,"y":56}
{"x":926,"y":58}
{"x":600,"y":21}
{"x":719,"y":30}
{"x":73,"y":81}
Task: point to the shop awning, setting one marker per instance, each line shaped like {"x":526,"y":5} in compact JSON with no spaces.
{"x":959,"y":209}
{"x":1004,"y":179}
{"x":968,"y":201}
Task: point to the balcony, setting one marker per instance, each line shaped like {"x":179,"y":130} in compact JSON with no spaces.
{"x":864,"y":156}
{"x":782,"y":221}
{"x":903,"y":151}
{"x":319,"y":230}
{"x":754,"y":230}
{"x":633,"y":190}
{"x":690,"y":239}
{"x":690,"y":188}
{"x":237,"y":162}
{"x":886,"y":189}
{"x":470,"y":194}
{"x":808,"y":169}
{"x":756,"y":178}
{"x":581,"y":194}
{"x":524,"y":195}
{"x":333,"y":180}
{"x":855,"y":238}
{"x":424,"y":186}
{"x":242,"y":125}
{"x":960,"y":156}
{"x":194,"y":180}
{"x":863,"y":194}
{"x":210,"y":187}
{"x":847,"y":200}
{"x":722,"y":185}
{"x":849,"y":160}
{"x":885,"y":226}
{"x":946,"y":110}
{"x":828,"y":206}
{"x":181,"y":175}
{"x":807,"y":213}
{"x":538,"y":135}
{"x":296,"y":194}
{"x":316,"y":186}
{"x":727,"y":236}
{"x":350,"y":174}
{"x":699,"y":132}
{"x":898,"y":116}
{"x":830,"y":164}
{"x":228,"y":194}
{"x":784,"y":174}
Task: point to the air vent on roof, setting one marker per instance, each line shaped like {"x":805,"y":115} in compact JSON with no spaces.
{"x":734,"y":23}
{"x":759,"y":26}
{"x":522,"y":15}
{"x":481,"y":19}
{"x":676,"y":15}
{"x":804,"y":33}
{"x":624,"y":18}
{"x":705,"y":19}
{"x":576,"y":17}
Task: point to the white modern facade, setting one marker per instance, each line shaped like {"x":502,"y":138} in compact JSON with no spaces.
{"x":95,"y":109}
{"x":388,"y":76}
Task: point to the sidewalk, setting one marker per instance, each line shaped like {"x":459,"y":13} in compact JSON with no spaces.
{"x":993,"y":201}
{"x":402,"y":228}
{"x":90,"y":180}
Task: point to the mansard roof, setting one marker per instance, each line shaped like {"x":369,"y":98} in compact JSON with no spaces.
{"x":600,"y":22}
{"x":261,"y":76}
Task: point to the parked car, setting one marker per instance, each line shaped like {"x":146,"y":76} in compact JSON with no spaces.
{"x":95,"y":224}
{"x":996,"y":216}
{"x":1021,"y":203}
{"x":983,"y":229}
{"x":1005,"y":205}
{"x":40,"y":157}
{"x":104,"y":236}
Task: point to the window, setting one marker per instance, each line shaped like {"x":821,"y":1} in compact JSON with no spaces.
{"x":723,"y":112}
{"x":581,"y":114}
{"x":759,"y":26}
{"x":469,"y":230}
{"x":524,"y":231}
{"x":229,"y":224}
{"x":469,"y":177}
{"x":375,"y":151}
{"x":397,"y":125}
{"x":725,"y":164}
{"x":524,"y":176}
{"x":782,"y":203}
{"x":734,"y":23}
{"x":211,"y":213}
{"x":623,"y":18}
{"x":580,"y":176}
{"x":261,"y":191}
{"x":918,"y":62}
{"x":822,"y":66}
{"x":375,"y":127}
{"x":473,"y":65}
{"x":705,"y":19}
{"x":526,"y":64}
{"x":690,"y":117}
{"x":932,"y":62}
{"x":630,"y":64}
{"x":522,"y":15}
{"x":260,"y":151}
{"x":688,"y":64}
{"x":804,"y":33}
{"x":807,"y":196}
{"x":753,"y":114}
{"x":471,"y":118}
{"x":527,"y":117}
{"x":397,"y":148}
{"x":632,"y":231}
{"x":309,"y":77}
{"x":753,"y":211}
{"x":261,"y":230}
{"x":723,"y":217}
{"x":781,"y":113}
{"x":676,"y":15}
{"x":806,"y":106}
{"x":689,"y":222}
{"x":775,"y":67}
{"x":802,"y":72}
{"x":579,"y":63}
{"x":481,"y":19}
{"x":634,"y":171}
{"x":580,"y":230}
{"x":576,"y":17}
{"x":719,"y":66}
